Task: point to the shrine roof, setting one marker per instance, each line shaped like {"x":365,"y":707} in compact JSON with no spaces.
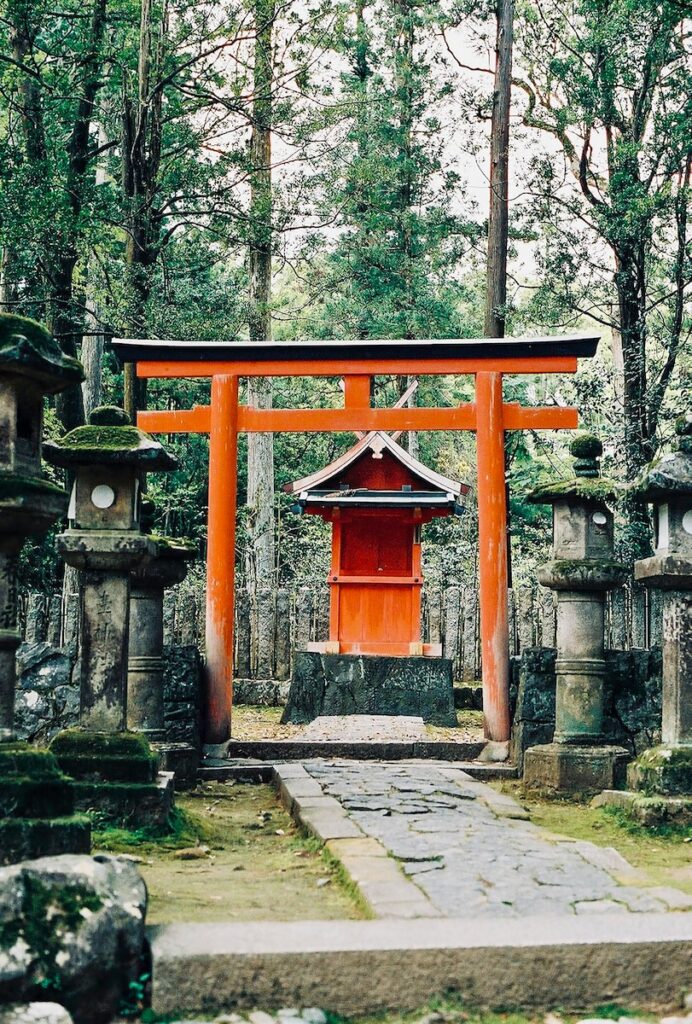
{"x":328,"y":478}
{"x":136,"y":349}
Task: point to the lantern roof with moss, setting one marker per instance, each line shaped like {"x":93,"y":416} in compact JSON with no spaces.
{"x":670,"y":475}
{"x":587,"y":482}
{"x":28,"y":349}
{"x":109,"y":439}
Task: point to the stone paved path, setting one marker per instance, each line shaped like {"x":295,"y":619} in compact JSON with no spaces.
{"x":471,"y":850}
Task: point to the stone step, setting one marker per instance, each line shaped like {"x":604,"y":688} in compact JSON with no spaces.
{"x":365,"y":967}
{"x":302,"y":750}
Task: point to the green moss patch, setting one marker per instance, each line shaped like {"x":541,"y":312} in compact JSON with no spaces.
{"x":47,"y":913}
{"x":15,"y":485}
{"x":115,"y":757}
{"x":591,"y":489}
{"x":28,"y":347}
{"x":662,"y":770}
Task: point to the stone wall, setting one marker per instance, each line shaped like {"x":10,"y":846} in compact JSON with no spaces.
{"x":48,"y":693}
{"x":632,"y":699}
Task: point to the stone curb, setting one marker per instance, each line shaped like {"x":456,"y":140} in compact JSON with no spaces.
{"x":378,"y":877}
{"x":362,"y":967}
{"x":302,"y":750}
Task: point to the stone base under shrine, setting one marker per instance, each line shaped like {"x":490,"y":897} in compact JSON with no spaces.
{"x":359,"y":684}
{"x":567,"y":768}
{"x":116,"y":776}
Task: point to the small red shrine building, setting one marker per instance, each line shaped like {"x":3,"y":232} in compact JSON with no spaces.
{"x":377,"y":497}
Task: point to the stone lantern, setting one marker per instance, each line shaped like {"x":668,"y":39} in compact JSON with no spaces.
{"x":583,"y":569}
{"x":36,"y":800}
{"x":660,"y":779}
{"x":109,"y":458}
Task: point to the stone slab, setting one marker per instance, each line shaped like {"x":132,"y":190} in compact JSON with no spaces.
{"x":363,"y":967}
{"x":364,"y":729}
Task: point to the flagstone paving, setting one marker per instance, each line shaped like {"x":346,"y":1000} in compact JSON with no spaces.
{"x":470,"y":850}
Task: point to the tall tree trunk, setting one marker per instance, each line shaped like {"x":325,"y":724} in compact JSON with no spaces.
{"x":498,"y":218}
{"x":67,"y":319}
{"x":260,"y":554}
{"x":142,"y":142}
{"x":498,"y":214}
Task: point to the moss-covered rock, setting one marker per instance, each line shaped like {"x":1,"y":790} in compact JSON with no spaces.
{"x":596,"y":490}
{"x":586,"y":446}
{"x":72,"y":929}
{"x":662,"y":770}
{"x":27,"y":348}
{"x":112,"y":757}
{"x":29,"y":838}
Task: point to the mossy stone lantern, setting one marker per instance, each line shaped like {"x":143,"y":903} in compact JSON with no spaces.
{"x":31,"y":366}
{"x":582,"y":570}
{"x":116,"y":771}
{"x":36,"y":798}
{"x":108,"y":458}
{"x":667,"y":484}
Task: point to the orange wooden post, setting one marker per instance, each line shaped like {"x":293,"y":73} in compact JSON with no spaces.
{"x":492,"y":554}
{"x":223,"y":493}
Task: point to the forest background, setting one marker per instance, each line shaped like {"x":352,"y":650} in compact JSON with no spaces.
{"x":320,"y":169}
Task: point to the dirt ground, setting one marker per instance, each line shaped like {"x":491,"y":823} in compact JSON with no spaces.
{"x":258,"y":866}
{"x":663,"y":857}
{"x":252,"y":722}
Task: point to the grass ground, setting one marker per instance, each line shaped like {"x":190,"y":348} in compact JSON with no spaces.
{"x":258,"y":866}
{"x":251,"y":722}
{"x":664,"y":857}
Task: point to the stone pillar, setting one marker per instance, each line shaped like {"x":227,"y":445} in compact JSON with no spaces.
{"x":581,"y":572}
{"x":36,"y":799}
{"x":116,"y":771}
{"x":148,"y":583}
{"x":660,"y":779}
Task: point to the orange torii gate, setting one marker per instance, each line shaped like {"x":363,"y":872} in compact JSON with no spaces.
{"x":357,"y":361}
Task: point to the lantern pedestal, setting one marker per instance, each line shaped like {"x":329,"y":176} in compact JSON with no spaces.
{"x":116,"y":773}
{"x":563,"y":768}
{"x":351,"y":684}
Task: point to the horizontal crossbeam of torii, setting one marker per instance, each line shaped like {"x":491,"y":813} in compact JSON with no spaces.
{"x":356,"y":362}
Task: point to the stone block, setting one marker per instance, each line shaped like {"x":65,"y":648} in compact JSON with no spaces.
{"x":182,"y":759}
{"x":128,"y":805}
{"x":563,"y":768}
{"x":663,"y":770}
{"x":114,"y":757}
{"x":340,"y":684}
{"x":29,"y":838}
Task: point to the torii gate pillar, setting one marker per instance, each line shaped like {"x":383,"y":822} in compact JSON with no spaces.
{"x":492,"y":554}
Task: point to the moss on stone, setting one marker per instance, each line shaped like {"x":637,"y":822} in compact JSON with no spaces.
{"x":19,"y":757}
{"x":595,"y":489}
{"x":116,"y":744}
{"x":27,"y":347}
{"x":17,"y":485}
{"x":115,"y":757}
{"x":105,"y":443}
{"x":662,"y":770}
{"x":586,"y":446}
{"x":48,"y":912}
